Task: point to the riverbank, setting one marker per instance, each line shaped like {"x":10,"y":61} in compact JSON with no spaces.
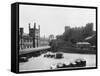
{"x":76,"y":50}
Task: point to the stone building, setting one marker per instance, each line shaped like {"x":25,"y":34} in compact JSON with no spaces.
{"x":35,"y":34}
{"x":51,"y":37}
{"x":32,"y":39}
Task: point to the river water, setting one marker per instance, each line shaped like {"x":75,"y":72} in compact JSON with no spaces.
{"x":44,"y":63}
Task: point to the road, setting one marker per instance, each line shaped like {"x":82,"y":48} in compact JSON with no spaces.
{"x":28,"y":50}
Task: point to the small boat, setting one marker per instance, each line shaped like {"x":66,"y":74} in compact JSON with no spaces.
{"x":23,"y":59}
{"x":76,"y":63}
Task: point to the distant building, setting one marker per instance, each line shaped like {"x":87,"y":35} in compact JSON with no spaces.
{"x":83,"y":45}
{"x":89,"y":43}
{"x":91,"y":39}
{"x":44,"y":42}
{"x":51,"y":37}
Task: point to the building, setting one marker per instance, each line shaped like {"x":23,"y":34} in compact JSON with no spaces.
{"x":44,"y":41}
{"x":83,"y":45}
{"x":91,"y":39}
{"x":32,"y":39}
{"x":51,"y":37}
{"x":26,"y":42}
{"x":35,"y":34}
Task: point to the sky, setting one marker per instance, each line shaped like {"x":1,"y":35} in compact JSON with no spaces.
{"x":52,"y":20}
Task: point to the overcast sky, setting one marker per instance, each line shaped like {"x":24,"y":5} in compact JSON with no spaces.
{"x":52,"y":20}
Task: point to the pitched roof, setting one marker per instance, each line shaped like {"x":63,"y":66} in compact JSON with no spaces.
{"x":90,"y":37}
{"x":82,"y":43}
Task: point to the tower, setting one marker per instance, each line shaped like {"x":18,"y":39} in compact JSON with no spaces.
{"x":29,"y":26}
{"x":21,"y":31}
{"x":34,"y":25}
{"x":35,"y":34}
{"x":39,"y":27}
{"x":38,"y":35}
{"x":39,"y":31}
{"x":67,"y":28}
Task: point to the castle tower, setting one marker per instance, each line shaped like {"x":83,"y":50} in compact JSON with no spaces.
{"x":38,"y":36}
{"x":30,"y":29}
{"x":39,"y":30}
{"x":34,"y":32}
{"x":21,"y":31}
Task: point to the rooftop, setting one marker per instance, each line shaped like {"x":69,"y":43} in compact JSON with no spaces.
{"x":82,"y":43}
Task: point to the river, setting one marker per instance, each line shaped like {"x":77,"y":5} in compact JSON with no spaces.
{"x":43,"y":63}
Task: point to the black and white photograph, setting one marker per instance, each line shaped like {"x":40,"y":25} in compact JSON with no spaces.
{"x":55,"y":38}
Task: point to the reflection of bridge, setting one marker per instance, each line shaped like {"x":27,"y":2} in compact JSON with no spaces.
{"x":32,"y":50}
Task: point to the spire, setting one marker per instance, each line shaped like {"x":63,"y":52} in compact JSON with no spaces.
{"x":34,"y":25}
{"x":29,"y":26}
{"x":39,"y":27}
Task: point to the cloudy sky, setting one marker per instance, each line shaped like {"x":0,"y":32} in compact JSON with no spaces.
{"x":52,"y":20}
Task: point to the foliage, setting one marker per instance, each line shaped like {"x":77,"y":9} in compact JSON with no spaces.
{"x":71,"y":36}
{"x":77,"y":34}
{"x":58,"y":44}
